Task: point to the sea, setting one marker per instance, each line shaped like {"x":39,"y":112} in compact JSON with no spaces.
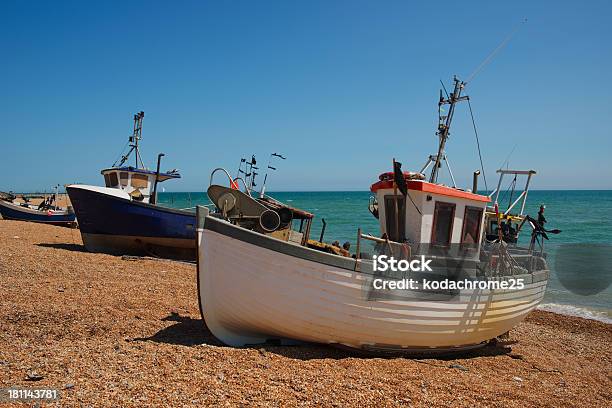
{"x":582,"y":216}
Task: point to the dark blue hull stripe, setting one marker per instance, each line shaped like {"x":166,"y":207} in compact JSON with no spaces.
{"x":10,"y":213}
{"x":102,"y":214}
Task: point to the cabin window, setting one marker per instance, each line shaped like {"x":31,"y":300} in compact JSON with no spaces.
{"x":441,"y":232}
{"x":107,"y":180}
{"x":139,"y":181}
{"x":123,"y":178}
{"x":391,"y":219}
{"x":471,"y":225}
{"x":113,"y":181}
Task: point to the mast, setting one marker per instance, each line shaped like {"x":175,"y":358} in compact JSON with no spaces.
{"x":136,"y":136}
{"x":133,"y":141}
{"x":444,"y":123}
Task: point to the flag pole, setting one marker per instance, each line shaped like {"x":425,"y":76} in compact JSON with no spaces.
{"x":397,"y":237}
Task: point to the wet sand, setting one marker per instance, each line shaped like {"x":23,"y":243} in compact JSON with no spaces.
{"x":115,"y":332}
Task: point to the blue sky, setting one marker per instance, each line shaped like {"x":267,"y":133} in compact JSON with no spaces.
{"x":340,"y":87}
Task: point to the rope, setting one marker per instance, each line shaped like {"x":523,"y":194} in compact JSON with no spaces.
{"x":413,"y":203}
{"x":478,"y":144}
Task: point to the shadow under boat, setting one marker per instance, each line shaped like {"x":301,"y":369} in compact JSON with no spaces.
{"x":67,"y":247}
{"x":191,"y":332}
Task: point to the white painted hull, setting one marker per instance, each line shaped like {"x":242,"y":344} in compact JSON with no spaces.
{"x":250,"y":294}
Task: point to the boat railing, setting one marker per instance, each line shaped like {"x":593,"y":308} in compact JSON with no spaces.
{"x":497,"y":260}
{"x":212,"y":174}
{"x":199,"y":205}
{"x":233,"y":181}
{"x":398,"y":249}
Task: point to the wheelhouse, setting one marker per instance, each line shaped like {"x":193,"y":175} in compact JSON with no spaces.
{"x":138,"y":183}
{"x":431,"y":214}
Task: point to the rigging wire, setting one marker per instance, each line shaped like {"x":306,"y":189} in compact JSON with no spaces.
{"x":513,"y":188}
{"x":445,"y":91}
{"x":489,"y":58}
{"x":511,"y":185}
{"x":121,"y":154}
{"x":478,"y":144}
{"x":415,"y":206}
{"x":507,"y":161}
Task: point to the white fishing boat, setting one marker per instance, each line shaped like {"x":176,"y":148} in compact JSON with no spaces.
{"x":257,"y":284}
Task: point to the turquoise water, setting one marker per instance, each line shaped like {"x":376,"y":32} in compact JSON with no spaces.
{"x":583,"y":217}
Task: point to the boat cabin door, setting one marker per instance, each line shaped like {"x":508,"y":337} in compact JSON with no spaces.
{"x":395,"y":217}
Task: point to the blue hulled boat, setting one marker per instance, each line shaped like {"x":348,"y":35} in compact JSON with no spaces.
{"x":46,"y":212}
{"x":123,"y":217}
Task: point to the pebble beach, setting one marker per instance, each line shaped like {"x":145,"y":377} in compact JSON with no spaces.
{"x":123,"y":331}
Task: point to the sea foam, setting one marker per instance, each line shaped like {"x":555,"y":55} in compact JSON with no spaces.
{"x":577,"y":311}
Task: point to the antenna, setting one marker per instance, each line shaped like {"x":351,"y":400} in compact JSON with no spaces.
{"x":444,"y":121}
{"x":240,"y":171}
{"x":270,"y":167}
{"x":251,"y":172}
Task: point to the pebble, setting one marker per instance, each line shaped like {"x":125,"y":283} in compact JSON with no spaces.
{"x":33,"y":376}
{"x":459,"y":367}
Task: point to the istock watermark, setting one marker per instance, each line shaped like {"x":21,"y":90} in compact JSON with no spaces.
{"x":447,"y":284}
{"x":383,"y":263}
{"x":431,"y":277}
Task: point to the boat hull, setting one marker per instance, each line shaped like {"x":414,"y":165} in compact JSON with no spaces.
{"x":11,"y":211}
{"x":278,"y":290}
{"x":120,"y":226}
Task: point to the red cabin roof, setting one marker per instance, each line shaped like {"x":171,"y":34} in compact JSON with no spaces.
{"x":415,"y":182}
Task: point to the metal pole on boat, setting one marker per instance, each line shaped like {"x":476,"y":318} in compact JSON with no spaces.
{"x":358,"y":250}
{"x":154,"y":195}
{"x":322,"y":230}
{"x":531,"y":173}
{"x":135,"y":138}
{"x":501,"y":176}
{"x":444,"y":128}
{"x":270,"y":167}
{"x":395,"y":205}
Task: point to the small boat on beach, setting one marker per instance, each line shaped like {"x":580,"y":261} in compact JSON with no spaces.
{"x":124,"y":218}
{"x":47,"y":212}
{"x":260,"y":279}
